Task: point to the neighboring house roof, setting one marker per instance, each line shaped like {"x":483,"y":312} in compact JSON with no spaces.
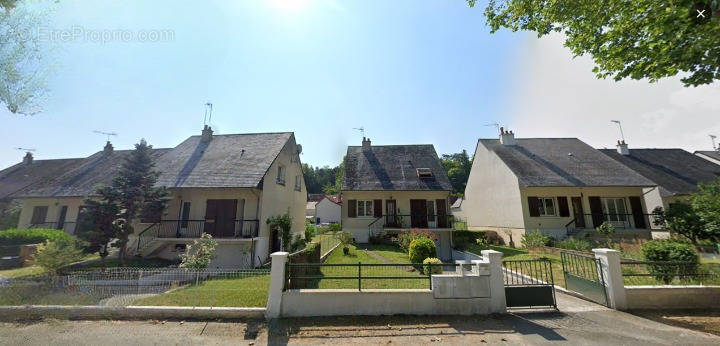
{"x":333,"y":199}
{"x":83,"y":178}
{"x":713,"y":154}
{"x":239,"y":160}
{"x":316,"y":197}
{"x":21,"y":175}
{"x":676,"y":171}
{"x":549,"y":162}
{"x":393,"y":167}
{"x":457,"y":204}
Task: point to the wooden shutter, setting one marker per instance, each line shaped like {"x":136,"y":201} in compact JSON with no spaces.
{"x":596,"y":210}
{"x":637,"y":212}
{"x":352,"y":208}
{"x":534,"y":206}
{"x":442,"y":219}
{"x":377,"y":208}
{"x":39,"y":214}
{"x":563,"y":207}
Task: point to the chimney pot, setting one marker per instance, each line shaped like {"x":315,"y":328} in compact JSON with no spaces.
{"x":28,"y":159}
{"x":366,"y":143}
{"x":207,"y":134}
{"x":507,"y":137}
{"x":108,"y":149}
{"x":622,"y":148}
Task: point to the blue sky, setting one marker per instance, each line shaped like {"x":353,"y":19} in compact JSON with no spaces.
{"x":408,"y":71}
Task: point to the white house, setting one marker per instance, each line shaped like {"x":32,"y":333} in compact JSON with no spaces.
{"x":328,"y":210}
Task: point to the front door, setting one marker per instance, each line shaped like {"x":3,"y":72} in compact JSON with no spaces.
{"x":220,"y":217}
{"x":61,"y":217}
{"x":578,"y":212}
{"x":432,"y":218}
{"x":391,"y":214}
{"x":442,"y":216}
{"x":418,"y":213}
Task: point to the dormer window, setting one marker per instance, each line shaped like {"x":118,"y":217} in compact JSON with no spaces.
{"x":424,"y":173}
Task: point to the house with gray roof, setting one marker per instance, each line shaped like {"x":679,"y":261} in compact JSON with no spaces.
{"x":710,"y":155}
{"x":223,"y":185}
{"x":556,"y":186}
{"x":676,"y":172}
{"x":389,"y":188}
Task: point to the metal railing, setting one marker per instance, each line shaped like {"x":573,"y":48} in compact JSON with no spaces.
{"x":669,"y":273}
{"x":362,"y":276}
{"x":535,"y":272}
{"x":412,"y":221}
{"x":327,"y":242}
{"x":142,"y":286}
{"x":622,"y":221}
{"x":241,"y":228}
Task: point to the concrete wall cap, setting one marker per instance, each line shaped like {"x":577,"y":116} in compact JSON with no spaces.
{"x":604,"y":250}
{"x":279,"y":254}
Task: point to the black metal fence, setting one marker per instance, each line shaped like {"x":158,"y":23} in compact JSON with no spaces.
{"x":195,"y":228}
{"x":535,"y":272}
{"x":363,"y":276}
{"x":670,"y":273}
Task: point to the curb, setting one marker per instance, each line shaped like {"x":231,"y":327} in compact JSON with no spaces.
{"x":13,"y":313}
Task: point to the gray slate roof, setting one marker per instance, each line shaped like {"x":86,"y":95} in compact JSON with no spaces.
{"x":712,"y":154}
{"x":393,"y":167}
{"x":676,"y":171}
{"x":20,"y":176}
{"x":541,"y":162}
{"x":239,"y":160}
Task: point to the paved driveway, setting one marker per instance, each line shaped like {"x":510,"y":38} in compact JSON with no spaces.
{"x":578,"y":323}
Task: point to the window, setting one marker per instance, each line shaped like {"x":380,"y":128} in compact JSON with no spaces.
{"x":424,"y":173}
{"x":298,"y":184}
{"x":547,"y":206}
{"x":614,"y":209}
{"x":281,"y":175}
{"x":364,"y":208}
{"x":39,"y":214}
{"x":185,"y":214}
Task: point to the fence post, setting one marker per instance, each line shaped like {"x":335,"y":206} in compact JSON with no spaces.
{"x":497,"y":281}
{"x":359,"y":276}
{"x":614,"y":285}
{"x":277,"y":282}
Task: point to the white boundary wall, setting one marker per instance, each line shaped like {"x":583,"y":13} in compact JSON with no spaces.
{"x":476,"y":288}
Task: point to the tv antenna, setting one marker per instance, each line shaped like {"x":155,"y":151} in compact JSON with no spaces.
{"x":29,"y":150}
{"x":712,"y":138}
{"x":361,"y":129}
{"x":208,"y":112}
{"x":622,"y":135}
{"x":107,"y":134}
{"x":497,"y":126}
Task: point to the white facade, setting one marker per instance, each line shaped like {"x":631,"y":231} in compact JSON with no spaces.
{"x":327,"y":211}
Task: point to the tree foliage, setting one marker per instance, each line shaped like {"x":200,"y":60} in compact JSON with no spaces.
{"x":56,"y":254}
{"x":320,"y":179}
{"x":99,"y":222}
{"x":284,"y":224}
{"x":638,"y":39}
{"x":200,"y":254}
{"x":696,"y":219}
{"x":457,"y":166}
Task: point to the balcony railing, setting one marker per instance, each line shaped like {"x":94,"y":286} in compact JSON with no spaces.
{"x":412,"y":221}
{"x":234,"y":229}
{"x":620,"y":221}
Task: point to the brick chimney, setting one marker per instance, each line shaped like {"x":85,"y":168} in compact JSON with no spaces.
{"x":28,"y":159}
{"x":108,"y":149}
{"x":366,"y":143}
{"x":622,"y":148}
{"x":207,"y":133}
{"x":507,"y":137}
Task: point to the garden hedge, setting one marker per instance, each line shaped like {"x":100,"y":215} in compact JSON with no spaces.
{"x":31,"y":236}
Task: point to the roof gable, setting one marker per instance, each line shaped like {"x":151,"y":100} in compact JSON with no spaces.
{"x":393,"y":167}
{"x":676,"y":171}
{"x":562,"y":162}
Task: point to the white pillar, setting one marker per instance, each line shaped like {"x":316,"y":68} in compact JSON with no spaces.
{"x":611,"y":271}
{"x":497,"y":281}
{"x":277,"y":282}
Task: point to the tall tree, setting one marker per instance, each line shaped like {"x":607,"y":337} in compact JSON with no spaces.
{"x":457,"y":166}
{"x":23,"y":67}
{"x":638,"y":39}
{"x":318,"y":178}
{"x":99,"y":222}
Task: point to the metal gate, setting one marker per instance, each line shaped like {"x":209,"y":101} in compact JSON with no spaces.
{"x":529,"y":284}
{"x":583,"y":274}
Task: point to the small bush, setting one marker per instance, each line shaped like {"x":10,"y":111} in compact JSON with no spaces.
{"x":31,"y":236}
{"x":420,"y":249}
{"x":309,"y":232}
{"x":462,"y":239}
{"x":298,"y":243}
{"x":200,"y":254}
{"x":534,"y":239}
{"x":346,"y":238}
{"x":334,"y":227}
{"x":668,"y":250}
{"x":405,"y":238}
{"x":575,"y":244}
{"x":432,"y":269}
{"x":56,"y":254}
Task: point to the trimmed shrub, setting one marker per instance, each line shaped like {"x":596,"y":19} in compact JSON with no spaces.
{"x":668,"y":250}
{"x":535,"y":239}
{"x":575,"y":244}
{"x":334,"y":227}
{"x":462,"y":239}
{"x":420,"y":249}
{"x":56,"y":254}
{"x":32,"y":236}
{"x":432,"y":269}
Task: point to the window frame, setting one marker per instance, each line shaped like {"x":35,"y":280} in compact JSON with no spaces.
{"x":618,"y":216}
{"x":368,"y":208}
{"x":543,"y":206}
{"x":298,"y":183}
{"x":280,"y":175}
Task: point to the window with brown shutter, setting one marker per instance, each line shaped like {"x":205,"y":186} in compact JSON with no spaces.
{"x":563,"y":206}
{"x":39,"y":214}
{"x":377,"y":206}
{"x":534,"y":206}
{"x":352,"y":208}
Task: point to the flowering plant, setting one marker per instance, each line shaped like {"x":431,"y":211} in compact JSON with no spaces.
{"x":405,"y":237}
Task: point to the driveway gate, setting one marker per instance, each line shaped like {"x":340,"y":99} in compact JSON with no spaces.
{"x":583,"y":274}
{"x":529,"y":284}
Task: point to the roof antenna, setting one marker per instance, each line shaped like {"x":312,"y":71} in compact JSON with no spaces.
{"x":622,"y":135}
{"x":497,"y":126}
{"x":208,"y":106}
{"x":29,"y":150}
{"x":712,"y":138}
{"x":108,"y":134}
{"x":361,"y":129}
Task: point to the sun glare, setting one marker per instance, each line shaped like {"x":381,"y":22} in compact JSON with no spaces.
{"x":288,"y":5}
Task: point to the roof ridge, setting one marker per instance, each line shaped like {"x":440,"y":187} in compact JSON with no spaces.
{"x":248,"y":134}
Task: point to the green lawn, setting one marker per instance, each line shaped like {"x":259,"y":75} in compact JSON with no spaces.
{"x":33,"y":270}
{"x":91,"y":261}
{"x":393,"y":253}
{"x":251,"y":291}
